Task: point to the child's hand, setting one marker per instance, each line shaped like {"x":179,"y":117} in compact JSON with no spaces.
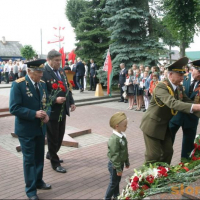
{"x":119,"y":173}
{"x":127,"y":167}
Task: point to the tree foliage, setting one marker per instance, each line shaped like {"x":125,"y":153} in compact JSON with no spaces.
{"x":182,"y":18}
{"x":134,"y":41}
{"x":91,"y":35}
{"x":28,"y":52}
{"x":74,"y":11}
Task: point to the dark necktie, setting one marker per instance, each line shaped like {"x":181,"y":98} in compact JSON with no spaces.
{"x":57,"y":74}
{"x":192,"y":87}
{"x":37,"y":90}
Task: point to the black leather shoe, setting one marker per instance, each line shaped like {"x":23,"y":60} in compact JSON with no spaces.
{"x":47,"y":157}
{"x":45,"y":186}
{"x":60,"y":169}
{"x":125,"y":101}
{"x":34,"y":198}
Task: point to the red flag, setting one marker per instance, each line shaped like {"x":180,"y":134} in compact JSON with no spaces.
{"x":63,"y":56}
{"x":71,"y":56}
{"x":108,"y":67}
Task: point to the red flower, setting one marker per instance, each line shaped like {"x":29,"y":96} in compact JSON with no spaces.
{"x":199,"y":147}
{"x":135,"y":179}
{"x":72,"y":83}
{"x":185,"y":168}
{"x":145,"y":187}
{"x":127,"y":77}
{"x":181,"y":164}
{"x":163,"y":171}
{"x":194,"y":158}
{"x":55,"y":86}
{"x":62,"y":87}
{"x":195,"y":145}
{"x":60,"y":82}
{"x":134,"y":186}
{"x":127,"y":198}
{"x":150,"y":179}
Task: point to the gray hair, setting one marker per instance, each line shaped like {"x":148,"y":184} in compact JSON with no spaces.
{"x":52,"y":54}
{"x":78,"y":59}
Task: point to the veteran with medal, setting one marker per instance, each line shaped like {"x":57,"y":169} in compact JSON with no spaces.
{"x":168,"y":98}
{"x":189,"y":122}
{"x":28,"y":100}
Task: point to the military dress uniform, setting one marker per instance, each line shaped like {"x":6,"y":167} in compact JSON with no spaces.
{"x":166,"y":100}
{"x":25,"y":100}
{"x":189,"y":122}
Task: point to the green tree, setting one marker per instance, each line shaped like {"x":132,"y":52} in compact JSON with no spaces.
{"x":91,"y":34}
{"x":74,"y":11}
{"x":28,"y":52}
{"x":182,"y":18}
{"x":133,"y":38}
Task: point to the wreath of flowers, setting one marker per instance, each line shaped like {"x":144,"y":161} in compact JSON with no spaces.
{"x":160,"y":177}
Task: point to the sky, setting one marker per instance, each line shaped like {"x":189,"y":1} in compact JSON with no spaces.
{"x":23,"y":20}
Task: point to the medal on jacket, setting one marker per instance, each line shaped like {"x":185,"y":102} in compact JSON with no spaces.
{"x":197,"y":97}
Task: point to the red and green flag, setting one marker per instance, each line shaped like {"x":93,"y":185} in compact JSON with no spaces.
{"x":108,"y":67}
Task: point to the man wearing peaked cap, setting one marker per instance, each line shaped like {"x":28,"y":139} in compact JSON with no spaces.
{"x":28,"y":100}
{"x":189,"y":122}
{"x":168,"y":98}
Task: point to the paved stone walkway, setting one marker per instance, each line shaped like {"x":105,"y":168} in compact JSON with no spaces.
{"x":87,"y":176}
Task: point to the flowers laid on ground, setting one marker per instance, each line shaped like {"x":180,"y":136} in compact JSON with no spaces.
{"x":160,"y":177}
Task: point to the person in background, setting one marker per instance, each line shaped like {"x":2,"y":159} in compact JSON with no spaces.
{"x":86,"y":75}
{"x":134,"y":67}
{"x":146,"y":95}
{"x":164,"y":75}
{"x":141,"y":70}
{"x":153,"y":82}
{"x":16,"y":70}
{"x":130,"y":88}
{"x":80,"y":72}
{"x":7,"y":71}
{"x":117,"y":154}
{"x":187,"y":70}
{"x":74,"y":77}
{"x":147,"y":69}
{"x":23,"y":69}
{"x":93,"y":73}
{"x":138,"y":90}
{"x":122,"y":79}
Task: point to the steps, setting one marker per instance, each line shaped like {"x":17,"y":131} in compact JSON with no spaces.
{"x":4,"y":112}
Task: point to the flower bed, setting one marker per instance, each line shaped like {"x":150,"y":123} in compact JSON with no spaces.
{"x":160,"y":177}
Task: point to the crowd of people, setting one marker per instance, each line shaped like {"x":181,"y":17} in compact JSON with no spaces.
{"x":138,"y":82}
{"x":82,"y":72}
{"x":12,"y":70}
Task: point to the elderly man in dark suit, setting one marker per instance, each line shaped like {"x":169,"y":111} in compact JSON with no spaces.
{"x":60,"y":108}
{"x":93,"y":73}
{"x":28,"y":99}
{"x":80,"y":72}
{"x":189,"y":122}
{"x":122,"y":79}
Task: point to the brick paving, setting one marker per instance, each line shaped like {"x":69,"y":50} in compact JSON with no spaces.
{"x":87,"y":176}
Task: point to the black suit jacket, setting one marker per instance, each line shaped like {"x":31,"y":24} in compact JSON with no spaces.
{"x":49,"y":77}
{"x":93,"y":69}
{"x":122,"y":76}
{"x":80,"y":69}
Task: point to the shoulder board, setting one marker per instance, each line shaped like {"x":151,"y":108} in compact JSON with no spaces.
{"x":20,"y":80}
{"x":42,"y":81}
